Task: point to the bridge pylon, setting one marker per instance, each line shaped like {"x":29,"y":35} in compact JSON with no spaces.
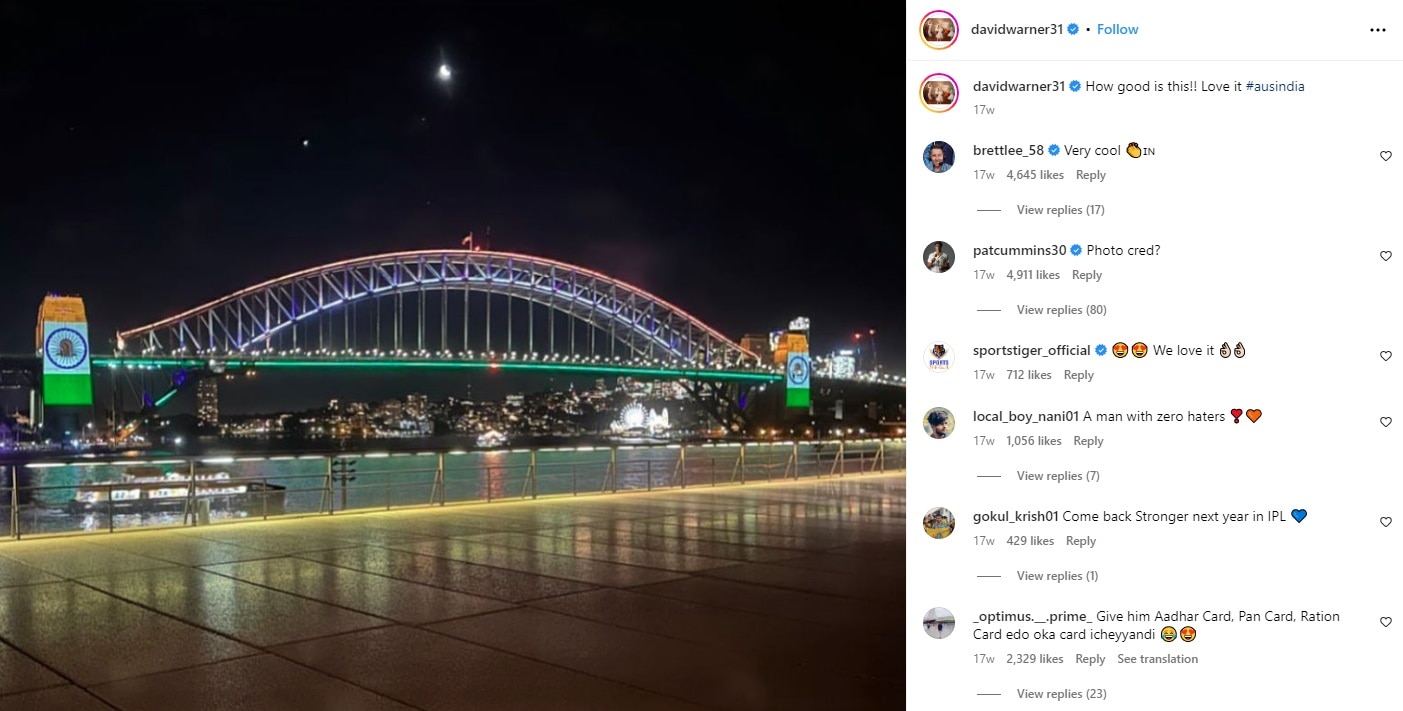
{"x":63,"y":407}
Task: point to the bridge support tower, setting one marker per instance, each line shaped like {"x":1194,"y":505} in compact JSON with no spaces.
{"x":65,"y":401}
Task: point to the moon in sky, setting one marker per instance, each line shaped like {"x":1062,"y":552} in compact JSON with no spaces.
{"x":444,"y":72}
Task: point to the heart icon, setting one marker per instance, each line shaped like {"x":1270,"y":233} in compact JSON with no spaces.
{"x":1298,"y":514}
{"x":1385,"y":621}
{"x":1254,"y":415}
{"x":1385,"y":421}
{"x":1386,"y":255}
{"x":1385,"y":155}
{"x":1385,"y":520}
{"x":1236,"y":413}
{"x":1385,"y":354}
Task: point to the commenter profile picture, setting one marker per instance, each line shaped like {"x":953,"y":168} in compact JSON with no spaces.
{"x":938,"y":257}
{"x":938,"y":157}
{"x":939,"y":623}
{"x":939,"y":523}
{"x":939,"y":423}
{"x":937,"y":357}
{"x":939,"y":93}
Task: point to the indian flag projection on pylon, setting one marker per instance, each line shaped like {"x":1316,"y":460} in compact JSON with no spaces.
{"x":797,"y":371}
{"x":62,"y":341}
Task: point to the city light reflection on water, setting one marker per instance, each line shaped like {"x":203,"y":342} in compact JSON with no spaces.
{"x":98,"y":522}
{"x":492,"y":484}
{"x":48,"y":488}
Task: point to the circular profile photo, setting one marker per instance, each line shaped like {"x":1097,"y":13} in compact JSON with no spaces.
{"x":939,"y":523}
{"x":939,"y":623}
{"x":938,"y":157}
{"x":938,"y":257}
{"x":937,"y":357}
{"x":939,"y":423}
{"x":939,"y":29}
{"x":939,"y":92}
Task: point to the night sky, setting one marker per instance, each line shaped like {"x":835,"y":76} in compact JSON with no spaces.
{"x":740,"y":165}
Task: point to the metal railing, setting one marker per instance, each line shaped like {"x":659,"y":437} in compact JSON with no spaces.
{"x":103,"y":497}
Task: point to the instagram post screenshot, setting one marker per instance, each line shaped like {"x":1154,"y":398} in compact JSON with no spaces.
{"x":1133,"y":481}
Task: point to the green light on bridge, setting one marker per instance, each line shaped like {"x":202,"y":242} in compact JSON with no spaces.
{"x":310,"y":363}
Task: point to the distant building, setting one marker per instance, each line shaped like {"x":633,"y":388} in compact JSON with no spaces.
{"x":790,"y":342}
{"x":517,"y":401}
{"x":207,"y":402}
{"x":843,"y":364}
{"x":759,"y":344}
{"x":416,"y":407}
{"x":391,"y":409}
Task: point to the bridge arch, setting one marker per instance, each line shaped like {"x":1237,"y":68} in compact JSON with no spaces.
{"x":248,"y":320}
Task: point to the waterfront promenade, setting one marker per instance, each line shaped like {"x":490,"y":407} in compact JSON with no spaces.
{"x":765,"y":596}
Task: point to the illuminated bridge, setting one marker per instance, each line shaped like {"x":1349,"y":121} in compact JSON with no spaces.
{"x":436,"y":309}
{"x":522,"y":291}
{"x":452,"y":309}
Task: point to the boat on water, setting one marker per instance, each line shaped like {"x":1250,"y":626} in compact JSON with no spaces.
{"x":639,"y":436}
{"x":491,"y":439}
{"x":148,"y":488}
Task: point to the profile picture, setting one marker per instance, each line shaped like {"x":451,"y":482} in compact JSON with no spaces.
{"x":939,"y":623}
{"x":939,"y":257}
{"x":938,"y":157}
{"x":937,"y":357}
{"x":939,"y":92}
{"x":939,"y":523}
{"x":939,"y":423}
{"x":939,"y":29}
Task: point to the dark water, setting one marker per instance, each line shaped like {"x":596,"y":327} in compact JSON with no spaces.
{"x":212,"y":446}
{"x":389,"y":479}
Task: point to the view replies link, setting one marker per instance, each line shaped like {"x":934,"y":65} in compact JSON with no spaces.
{"x":1064,"y":310}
